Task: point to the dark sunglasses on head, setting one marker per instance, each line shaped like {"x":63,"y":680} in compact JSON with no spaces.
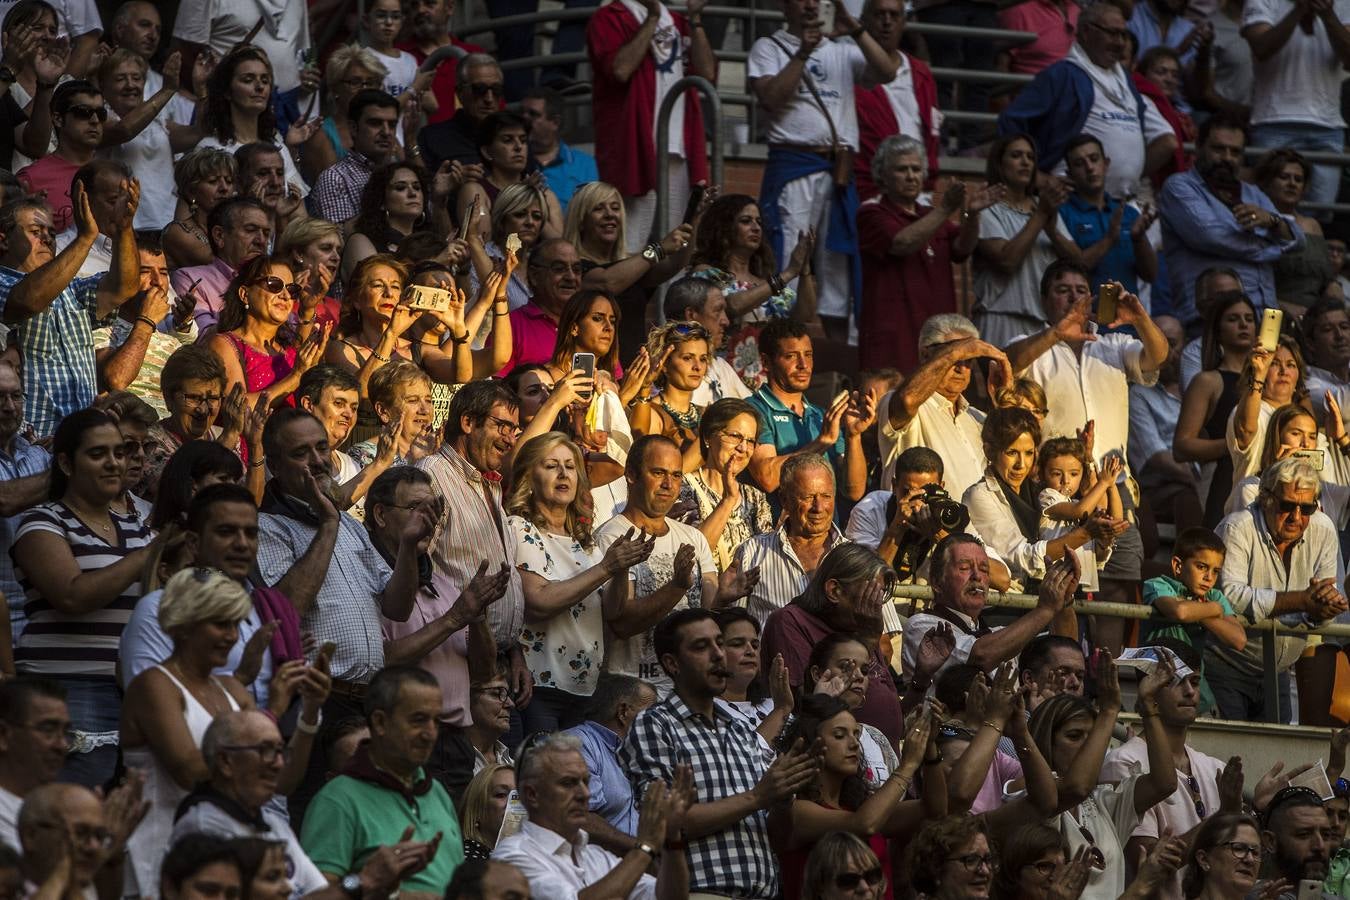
{"x":482,"y":89}
{"x":847,"y":881}
{"x":83,"y":111}
{"x":276,"y":285}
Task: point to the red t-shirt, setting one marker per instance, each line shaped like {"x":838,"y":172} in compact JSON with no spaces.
{"x":443,"y":85}
{"x":52,"y":176}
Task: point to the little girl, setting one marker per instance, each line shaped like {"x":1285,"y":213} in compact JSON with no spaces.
{"x":383,"y":21}
{"x":1073,"y":491}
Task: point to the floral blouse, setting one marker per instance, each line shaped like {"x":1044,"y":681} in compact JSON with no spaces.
{"x":752,"y":517}
{"x":742,"y":345}
{"x":566,"y":651}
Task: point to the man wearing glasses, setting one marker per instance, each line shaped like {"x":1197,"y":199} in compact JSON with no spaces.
{"x":553,"y":274}
{"x":24,"y":469}
{"x":1283,"y":563}
{"x":1090,"y":92}
{"x":35,"y":736}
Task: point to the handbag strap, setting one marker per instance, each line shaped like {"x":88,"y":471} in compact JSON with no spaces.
{"x":815,"y":94}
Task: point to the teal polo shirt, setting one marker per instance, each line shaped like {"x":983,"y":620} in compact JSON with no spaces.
{"x":349,"y":819}
{"x":786,"y":430}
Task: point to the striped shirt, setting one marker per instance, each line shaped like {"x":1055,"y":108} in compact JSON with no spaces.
{"x":57,"y":644}
{"x":57,"y":346}
{"x":471,"y":531}
{"x":782,"y":577}
{"x":26,"y":459}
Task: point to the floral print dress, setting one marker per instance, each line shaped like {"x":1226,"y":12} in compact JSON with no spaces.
{"x":566,"y":651}
{"x":742,"y":340}
{"x":753,"y":516}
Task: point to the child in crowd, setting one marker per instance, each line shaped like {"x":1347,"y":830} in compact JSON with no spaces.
{"x":1073,"y":491}
{"x":1192,"y":601}
{"x":1026,"y":394}
{"x":384,"y":21}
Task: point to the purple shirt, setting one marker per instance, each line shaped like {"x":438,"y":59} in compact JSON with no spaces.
{"x":210,"y":293}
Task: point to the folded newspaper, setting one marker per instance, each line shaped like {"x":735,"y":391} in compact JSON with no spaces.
{"x":1145,"y":659}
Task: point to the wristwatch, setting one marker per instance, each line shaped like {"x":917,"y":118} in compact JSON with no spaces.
{"x":647,"y":849}
{"x":652,"y":253}
{"x":7,"y":74}
{"x":351,"y":885}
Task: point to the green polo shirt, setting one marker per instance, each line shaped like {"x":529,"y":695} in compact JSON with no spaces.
{"x":350,"y":819}
{"x":786,"y":430}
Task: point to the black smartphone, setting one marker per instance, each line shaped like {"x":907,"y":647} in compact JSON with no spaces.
{"x":586,"y":363}
{"x":695,"y":198}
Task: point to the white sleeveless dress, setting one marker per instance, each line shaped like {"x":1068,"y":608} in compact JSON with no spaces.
{"x":150,"y":841}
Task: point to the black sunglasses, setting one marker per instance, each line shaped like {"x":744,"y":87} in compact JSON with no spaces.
{"x":1289,"y":506}
{"x":847,"y":881}
{"x":482,"y":89}
{"x":276,"y":285}
{"x":83,"y":111}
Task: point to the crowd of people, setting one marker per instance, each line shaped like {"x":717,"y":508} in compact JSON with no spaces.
{"x":392,"y":503}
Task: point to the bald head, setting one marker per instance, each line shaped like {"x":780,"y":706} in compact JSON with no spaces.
{"x":234,"y":729}
{"x":55,"y":808}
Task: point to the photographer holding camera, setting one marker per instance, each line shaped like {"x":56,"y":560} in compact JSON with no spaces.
{"x":904,"y":524}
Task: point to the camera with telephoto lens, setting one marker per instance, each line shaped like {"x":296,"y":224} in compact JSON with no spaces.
{"x":951,"y":514}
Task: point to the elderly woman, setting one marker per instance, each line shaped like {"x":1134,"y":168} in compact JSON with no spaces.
{"x":400,"y":394}
{"x":680,"y":355}
{"x":202,"y":178}
{"x":595,"y":226}
{"x":563,"y":575}
{"x":193,"y":385}
{"x":952,"y":859}
{"x":1003,"y":505}
{"x":503,"y":144}
{"x":484,"y":807}
{"x":715,"y":502}
{"x":1303,"y":275}
{"x":1292,"y":429}
{"x":169,"y":707}
{"x":520,"y":209}
{"x":908,"y":250}
{"x":80,"y":564}
{"x":843,"y":867}
{"x":1030,"y":858}
{"x":1020,"y":236}
{"x":1224,"y":858}
{"x":315,"y":246}
{"x":351,"y":69}
{"x":239,"y":109}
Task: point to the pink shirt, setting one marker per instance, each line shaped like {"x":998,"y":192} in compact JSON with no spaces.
{"x":51,"y":177}
{"x":1004,"y":769}
{"x":214,"y":278}
{"x":1053,"y":26}
{"x":533,"y":335}
{"x":447,"y":661}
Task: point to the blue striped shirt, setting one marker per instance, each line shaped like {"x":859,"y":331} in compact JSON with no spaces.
{"x":57,"y":346}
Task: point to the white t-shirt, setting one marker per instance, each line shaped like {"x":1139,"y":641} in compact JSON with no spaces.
{"x":950,"y":431}
{"x":10,"y":804}
{"x":402,"y":70}
{"x":637,"y":655}
{"x":74,"y":18}
{"x":220,"y":24}
{"x":904,"y":105}
{"x":1114,"y":120}
{"x":667,"y":51}
{"x":1301,"y":82}
{"x":834,"y":66}
{"x":149,"y":157}
{"x":720,"y":381}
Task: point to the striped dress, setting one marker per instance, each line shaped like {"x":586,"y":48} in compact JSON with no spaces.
{"x":55,"y":644}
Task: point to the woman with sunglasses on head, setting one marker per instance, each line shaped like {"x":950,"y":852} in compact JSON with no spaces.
{"x":169,"y":707}
{"x":253,"y":340}
{"x":839,"y":798}
{"x":727,"y":512}
{"x":843,"y":867}
{"x":1224,"y":859}
{"x":680,"y":356}
{"x":1073,"y":736}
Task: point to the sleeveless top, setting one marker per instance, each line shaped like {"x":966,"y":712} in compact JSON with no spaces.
{"x":149,"y":842}
{"x":330,"y":128}
{"x":1214,"y":428}
{"x":262,"y":370}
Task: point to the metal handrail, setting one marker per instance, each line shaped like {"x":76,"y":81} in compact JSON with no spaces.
{"x":677,"y":90}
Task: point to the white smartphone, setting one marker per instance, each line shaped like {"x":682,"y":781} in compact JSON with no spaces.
{"x":826,"y":16}
{"x":1271,"y":321}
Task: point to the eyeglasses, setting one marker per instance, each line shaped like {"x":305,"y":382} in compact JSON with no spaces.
{"x":1242,"y":850}
{"x":732,"y":439}
{"x":1289,"y":506}
{"x":504,"y":427}
{"x":275,"y":285}
{"x":1115,"y":34}
{"x":86,"y":112}
{"x":847,"y":881}
{"x":267,"y":752}
{"x":559,"y":268}
{"x":82,"y":834}
{"x":1045,"y":867}
{"x":387,"y":15}
{"x":1193,"y":788}
{"x":500,"y":694}
{"x":972,"y":862}
{"x":15,"y":398}
{"x":357,"y":84}
{"x":483,"y":88}
{"x":198,"y":400}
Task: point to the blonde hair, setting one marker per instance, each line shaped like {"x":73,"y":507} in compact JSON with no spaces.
{"x":513,"y":198}
{"x":587,"y":197}
{"x":198,"y":595}
{"x":344,"y":58}
{"x":301,"y":233}
{"x":475,"y":804}
{"x":521,"y":501}
{"x":673,"y":334}
{"x":116,"y":58}
{"x":1022,"y":390}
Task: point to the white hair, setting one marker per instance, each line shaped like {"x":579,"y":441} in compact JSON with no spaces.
{"x":897,"y":145}
{"x":531,"y":760}
{"x":1293,"y":470}
{"x":943,"y":324}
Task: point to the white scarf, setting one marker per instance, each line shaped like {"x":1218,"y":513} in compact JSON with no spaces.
{"x":1113,"y":81}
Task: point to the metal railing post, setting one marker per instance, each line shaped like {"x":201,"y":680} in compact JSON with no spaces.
{"x":1272,"y":677}
{"x":704,"y":87}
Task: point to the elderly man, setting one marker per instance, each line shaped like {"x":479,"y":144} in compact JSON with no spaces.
{"x":1091,"y":91}
{"x":930,"y":409}
{"x":1283,"y":563}
{"x":66,"y":819}
{"x":726,"y":832}
{"x":959,"y":574}
{"x":51,"y":310}
{"x":239,"y":229}
{"x":700,"y":300}
{"x":477,"y":95}
{"x":428,"y":24}
{"x":34,"y":739}
{"x":553,"y":788}
{"x":1210,"y":217}
{"x":24,"y":478}
{"x":554,"y":275}
{"x":680,"y":571}
{"x":1086,"y":380}
{"x":616,"y":703}
{"x":384,"y":795}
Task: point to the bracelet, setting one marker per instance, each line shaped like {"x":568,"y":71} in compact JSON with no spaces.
{"x":776,"y":284}
{"x":988,"y":724}
{"x":302,"y":728}
{"x":1345,"y":440}
{"x":149,"y":321}
{"x":646,"y":848}
{"x":695,"y":21}
{"x":383,"y":359}
{"x":1258,"y":384}
{"x":256,"y":463}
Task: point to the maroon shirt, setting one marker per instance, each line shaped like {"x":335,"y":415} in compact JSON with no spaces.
{"x":900,"y":292}
{"x":792,"y":631}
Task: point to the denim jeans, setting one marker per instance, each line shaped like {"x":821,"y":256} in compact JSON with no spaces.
{"x":95,"y":707}
{"x":551,"y":709}
{"x":1326,"y":179}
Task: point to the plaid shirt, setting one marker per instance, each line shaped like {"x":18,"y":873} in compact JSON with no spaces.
{"x":725,"y":755}
{"x":337,"y":192}
{"x":57,"y":346}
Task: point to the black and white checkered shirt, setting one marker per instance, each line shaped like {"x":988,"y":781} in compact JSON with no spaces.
{"x":725,"y":756}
